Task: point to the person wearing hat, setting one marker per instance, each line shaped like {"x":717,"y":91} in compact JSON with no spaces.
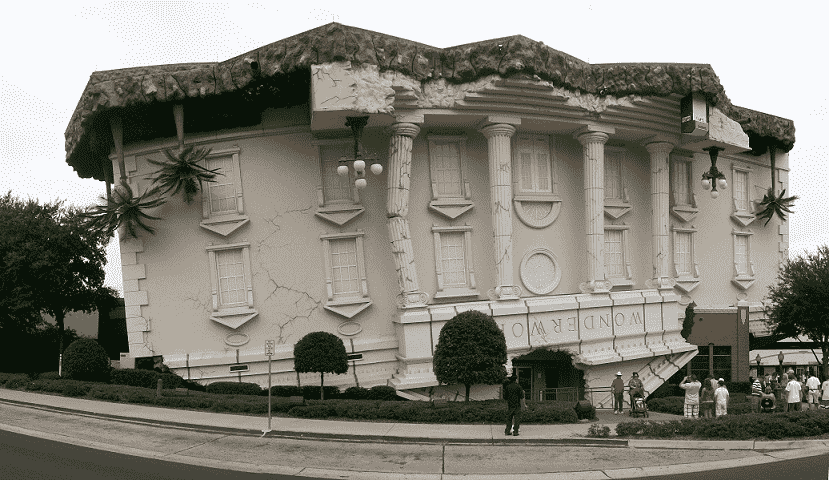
{"x":514,"y":395}
{"x":618,"y":390}
{"x":635,"y":386}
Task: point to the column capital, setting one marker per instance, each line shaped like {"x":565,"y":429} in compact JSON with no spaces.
{"x":659,"y":148}
{"x":498,"y":130}
{"x":593,"y":133}
{"x":404,"y":129}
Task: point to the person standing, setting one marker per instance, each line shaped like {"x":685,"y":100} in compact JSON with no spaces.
{"x":721,"y":398}
{"x":814,"y":392}
{"x":636,"y":388}
{"x":706,"y":399}
{"x":756,"y":393}
{"x":783,"y":382}
{"x":514,"y":395}
{"x":617,"y":388}
{"x":793,"y":389}
{"x":691,"y":387}
{"x":824,"y":400}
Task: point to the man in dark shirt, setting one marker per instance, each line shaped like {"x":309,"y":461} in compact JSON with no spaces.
{"x":513,"y":394}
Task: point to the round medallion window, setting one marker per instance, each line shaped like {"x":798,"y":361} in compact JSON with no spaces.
{"x":540,"y":272}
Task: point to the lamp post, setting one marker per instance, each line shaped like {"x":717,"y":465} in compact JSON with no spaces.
{"x":269,"y":352}
{"x":758,"y":360}
{"x":780,"y":359}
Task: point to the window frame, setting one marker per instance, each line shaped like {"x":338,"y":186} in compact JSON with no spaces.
{"x":746,"y":279}
{"x":235,"y":315}
{"x":346,"y":305}
{"x":616,"y":207}
{"x":742,"y":216}
{"x":685,"y":281}
{"x":679,"y":208}
{"x":338,"y":212}
{"x":449,"y":205}
{"x":470,"y":290}
{"x":225,"y":223}
{"x":528,"y":202}
{"x":627,"y":279}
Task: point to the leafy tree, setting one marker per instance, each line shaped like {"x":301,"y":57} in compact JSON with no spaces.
{"x":800,"y":301}
{"x":688,"y":322}
{"x":471,"y":350}
{"x":51,"y":262}
{"x":320,"y":352}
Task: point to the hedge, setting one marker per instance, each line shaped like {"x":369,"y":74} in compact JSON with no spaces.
{"x":772,"y":426}
{"x":234,"y":388}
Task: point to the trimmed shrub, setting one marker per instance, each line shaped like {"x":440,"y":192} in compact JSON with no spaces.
{"x":85,"y":359}
{"x":283,"y":391}
{"x":585,"y":410}
{"x":672,"y":405}
{"x":598,"y":431}
{"x":311,"y":392}
{"x":134,"y":377}
{"x":15,"y":380}
{"x":49,"y":376}
{"x":191,"y":385}
{"x":382,"y":392}
{"x":355,"y":393}
{"x":170,"y":380}
{"x":234,"y":388}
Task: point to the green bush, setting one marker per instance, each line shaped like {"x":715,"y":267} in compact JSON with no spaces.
{"x":13,"y":380}
{"x":49,"y":376}
{"x":672,"y":405}
{"x":86,"y":360}
{"x":311,"y":392}
{"x":380,"y":392}
{"x":284,"y":391}
{"x":134,"y":377}
{"x":598,"y":431}
{"x":355,"y":393}
{"x":234,"y":388}
{"x":70,"y":388}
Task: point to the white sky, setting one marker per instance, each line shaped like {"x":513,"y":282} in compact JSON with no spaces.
{"x":769,"y":57}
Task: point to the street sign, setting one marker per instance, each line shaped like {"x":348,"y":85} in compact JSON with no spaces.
{"x":269,"y":346}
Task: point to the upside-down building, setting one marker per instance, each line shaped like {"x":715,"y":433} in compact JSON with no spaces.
{"x":562,"y":198}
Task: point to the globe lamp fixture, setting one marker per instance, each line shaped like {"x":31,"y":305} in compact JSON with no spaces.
{"x":358,"y":161}
{"x":713,"y":178}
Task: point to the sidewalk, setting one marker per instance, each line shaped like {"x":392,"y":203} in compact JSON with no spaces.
{"x":385,"y":432}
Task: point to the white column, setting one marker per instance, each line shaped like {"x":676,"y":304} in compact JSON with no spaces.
{"x":500,"y":186}
{"x":592,"y":139}
{"x":660,"y":211}
{"x":397,"y":211}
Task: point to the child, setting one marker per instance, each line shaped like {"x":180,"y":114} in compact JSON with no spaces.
{"x":706,"y":399}
{"x":721,"y":398}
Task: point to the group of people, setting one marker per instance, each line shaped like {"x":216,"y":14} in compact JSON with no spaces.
{"x":791,"y":391}
{"x":635,"y":389}
{"x":705,"y":399}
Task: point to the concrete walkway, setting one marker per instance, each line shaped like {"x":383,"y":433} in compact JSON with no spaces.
{"x":395,"y":433}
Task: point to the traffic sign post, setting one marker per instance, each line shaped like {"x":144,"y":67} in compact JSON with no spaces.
{"x":269,"y":345}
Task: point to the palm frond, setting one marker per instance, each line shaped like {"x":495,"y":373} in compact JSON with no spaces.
{"x":182,"y":172}
{"x":123,"y":208}
{"x":774,"y":204}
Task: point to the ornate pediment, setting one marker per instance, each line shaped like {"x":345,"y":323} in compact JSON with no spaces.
{"x":340,"y":215}
{"x":350,"y":309}
{"x":617,"y":210}
{"x":224,"y":226}
{"x":686,"y":213}
{"x":234,"y":319}
{"x":451,"y":209}
{"x":537,"y":212}
{"x":744,"y":283}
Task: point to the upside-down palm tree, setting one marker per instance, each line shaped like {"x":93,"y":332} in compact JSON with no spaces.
{"x":182,"y":172}
{"x":123,"y":208}
{"x":774,"y":204}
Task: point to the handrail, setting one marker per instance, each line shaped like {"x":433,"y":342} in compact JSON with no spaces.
{"x":573,"y":394}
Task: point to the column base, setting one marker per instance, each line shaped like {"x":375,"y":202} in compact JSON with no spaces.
{"x":595,"y":286}
{"x":504,"y":292}
{"x":412,"y":299}
{"x":661,"y":283}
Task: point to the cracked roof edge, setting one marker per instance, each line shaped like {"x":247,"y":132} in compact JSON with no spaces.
{"x":506,"y":56}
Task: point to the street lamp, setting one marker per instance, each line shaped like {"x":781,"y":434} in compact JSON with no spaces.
{"x":713,"y":178}
{"x":780,"y":359}
{"x":358,"y":162}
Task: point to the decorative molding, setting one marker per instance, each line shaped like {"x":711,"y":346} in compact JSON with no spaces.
{"x":349,"y":329}
{"x":536,"y":206}
{"x":338,"y":211}
{"x":616,"y":207}
{"x":237,"y":339}
{"x":746,"y":279}
{"x":680,"y":208}
{"x":444,"y":291}
{"x":686,"y":282}
{"x":449,"y":204}
{"x":539,"y":271}
{"x":236,"y":315}
{"x":627,"y":279}
{"x":537,"y":211}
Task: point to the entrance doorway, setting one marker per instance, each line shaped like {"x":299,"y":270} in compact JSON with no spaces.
{"x":549,"y":375}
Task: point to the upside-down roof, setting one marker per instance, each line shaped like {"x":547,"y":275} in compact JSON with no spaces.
{"x":232,"y":83}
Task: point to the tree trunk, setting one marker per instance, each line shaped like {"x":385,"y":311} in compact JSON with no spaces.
{"x":825,"y":350}
{"x":59,"y":317}
{"x":322,"y":386}
{"x":468,"y":386}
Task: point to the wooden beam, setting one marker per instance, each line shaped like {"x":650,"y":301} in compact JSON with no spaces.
{"x":178,"y":114}
{"x":118,"y":138}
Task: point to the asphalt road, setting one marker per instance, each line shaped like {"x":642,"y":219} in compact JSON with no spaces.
{"x":34,"y":448}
